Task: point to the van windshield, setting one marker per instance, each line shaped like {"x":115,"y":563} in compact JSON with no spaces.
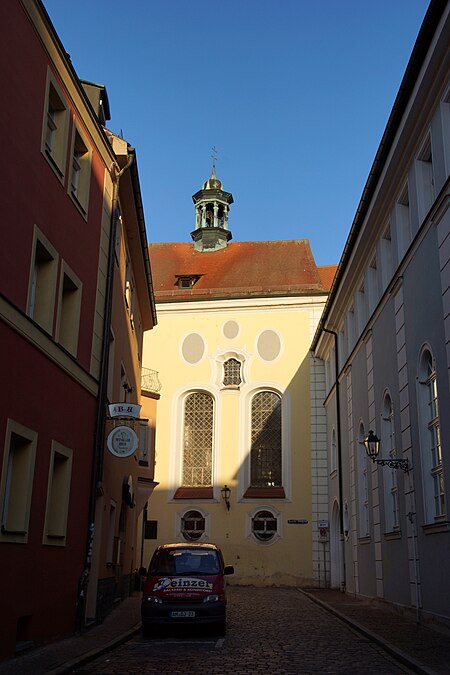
{"x":185,"y":561}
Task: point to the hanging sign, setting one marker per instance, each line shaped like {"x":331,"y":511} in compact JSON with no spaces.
{"x":124,"y":409}
{"x":122,"y":441}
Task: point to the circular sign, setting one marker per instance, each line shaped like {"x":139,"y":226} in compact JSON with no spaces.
{"x":122,"y":441}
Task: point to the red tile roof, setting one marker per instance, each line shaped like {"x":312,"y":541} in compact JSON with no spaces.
{"x":242,"y":269}
{"x":327,"y":273}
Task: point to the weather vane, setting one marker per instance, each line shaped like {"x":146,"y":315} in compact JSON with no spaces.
{"x":214,"y":156}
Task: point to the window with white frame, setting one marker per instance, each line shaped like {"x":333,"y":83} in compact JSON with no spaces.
{"x":351,"y":337}
{"x":17,"y":482}
{"x":333,"y":452}
{"x":198,"y":439}
{"x":361,"y":309}
{"x":42,"y":286}
{"x":192,"y":525}
{"x":386,"y":258}
{"x":55,"y":127}
{"x":266,"y":449}
{"x":391,"y":504}
{"x":430,"y":438}
{"x":424,"y":179}
{"x":402,"y":219}
{"x":69,"y":309}
{"x":372,"y":285}
{"x":58,"y":493}
{"x":363,"y":484}
{"x":80,"y":170}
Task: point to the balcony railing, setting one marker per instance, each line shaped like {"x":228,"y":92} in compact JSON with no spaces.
{"x":150,"y":380}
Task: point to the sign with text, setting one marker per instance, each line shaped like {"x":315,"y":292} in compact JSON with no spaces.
{"x":122,"y":441}
{"x":298,"y":521}
{"x":124,"y":409}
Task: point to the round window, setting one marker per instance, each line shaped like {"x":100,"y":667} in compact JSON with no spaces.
{"x":264,"y":525}
{"x":192,"y":525}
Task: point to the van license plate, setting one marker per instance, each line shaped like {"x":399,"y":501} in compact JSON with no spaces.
{"x":182,"y":615}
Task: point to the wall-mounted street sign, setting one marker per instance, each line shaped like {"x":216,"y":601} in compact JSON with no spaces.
{"x":322,"y":523}
{"x":122,"y":441}
{"x":298,"y":522}
{"x":124,"y":409}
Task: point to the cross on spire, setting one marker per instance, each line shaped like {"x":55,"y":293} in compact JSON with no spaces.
{"x":214,"y":156}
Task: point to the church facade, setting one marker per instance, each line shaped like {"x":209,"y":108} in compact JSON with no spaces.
{"x":235,"y":463}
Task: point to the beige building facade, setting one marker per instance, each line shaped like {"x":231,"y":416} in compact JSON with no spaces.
{"x":234,"y":462}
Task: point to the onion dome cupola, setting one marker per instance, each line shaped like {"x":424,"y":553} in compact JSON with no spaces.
{"x":211,"y":215}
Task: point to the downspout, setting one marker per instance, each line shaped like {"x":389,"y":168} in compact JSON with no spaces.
{"x":339,"y":439}
{"x":99,"y":439}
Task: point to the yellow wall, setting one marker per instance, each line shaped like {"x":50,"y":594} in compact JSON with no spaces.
{"x":287,"y":560}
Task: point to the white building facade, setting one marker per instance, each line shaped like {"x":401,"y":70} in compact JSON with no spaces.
{"x":384,"y":343}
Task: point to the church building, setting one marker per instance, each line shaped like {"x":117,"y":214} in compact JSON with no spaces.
{"x":240,"y":404}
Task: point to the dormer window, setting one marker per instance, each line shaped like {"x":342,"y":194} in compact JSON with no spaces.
{"x":187,"y":280}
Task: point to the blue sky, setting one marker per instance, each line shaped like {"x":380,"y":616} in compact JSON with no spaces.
{"x":294,"y":94}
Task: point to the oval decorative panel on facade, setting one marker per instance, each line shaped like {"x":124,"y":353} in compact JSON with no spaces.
{"x":231,"y":329}
{"x":193,"y":348}
{"x":269,"y":345}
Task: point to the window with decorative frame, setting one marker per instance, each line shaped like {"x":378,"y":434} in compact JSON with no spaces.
{"x":192,"y":525}
{"x":430,"y":438}
{"x":198,"y":432}
{"x":232,"y":373}
{"x":264,"y":526}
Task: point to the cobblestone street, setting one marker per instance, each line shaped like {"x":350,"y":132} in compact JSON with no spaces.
{"x":270,"y":630}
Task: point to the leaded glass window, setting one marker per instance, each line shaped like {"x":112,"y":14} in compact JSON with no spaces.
{"x":265,"y":469}
{"x":198,"y":440}
{"x":232,"y":373}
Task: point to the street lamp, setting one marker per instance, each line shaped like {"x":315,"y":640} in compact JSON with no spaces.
{"x":226,"y":492}
{"x":372,"y":446}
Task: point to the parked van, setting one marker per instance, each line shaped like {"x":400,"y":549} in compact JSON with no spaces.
{"x":185,"y":584}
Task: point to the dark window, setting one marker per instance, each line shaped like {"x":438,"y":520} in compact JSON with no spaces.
{"x":192,"y":525}
{"x":264,"y":525}
{"x":265,"y":470}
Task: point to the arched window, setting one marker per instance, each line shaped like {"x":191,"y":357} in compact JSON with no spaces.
{"x":232,"y":373}
{"x":192,"y":525}
{"x":198,"y":440}
{"x":389,"y":475}
{"x":430,"y":438}
{"x":265,"y":454}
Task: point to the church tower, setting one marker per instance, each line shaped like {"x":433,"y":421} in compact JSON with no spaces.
{"x":211,"y":215}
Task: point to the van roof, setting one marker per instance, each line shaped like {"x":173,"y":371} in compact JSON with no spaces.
{"x":189,"y":545}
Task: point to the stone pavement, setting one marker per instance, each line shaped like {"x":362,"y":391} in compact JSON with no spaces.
{"x":419,"y":647}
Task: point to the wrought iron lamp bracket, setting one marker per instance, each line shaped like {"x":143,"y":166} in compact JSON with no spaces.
{"x":402,"y":464}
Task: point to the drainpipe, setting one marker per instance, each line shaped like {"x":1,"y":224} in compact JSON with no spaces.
{"x":99,"y":440}
{"x":339,"y":439}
